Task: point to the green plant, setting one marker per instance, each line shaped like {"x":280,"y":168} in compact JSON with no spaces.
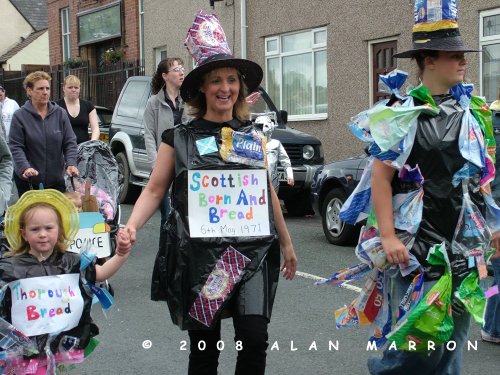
{"x":112,"y":56}
{"x":74,"y":62}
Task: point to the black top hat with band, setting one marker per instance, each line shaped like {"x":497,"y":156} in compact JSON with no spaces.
{"x":206,"y":42}
{"x":435,"y":28}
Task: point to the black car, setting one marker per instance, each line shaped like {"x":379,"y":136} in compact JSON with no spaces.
{"x":104,"y":116}
{"x":332,"y":184}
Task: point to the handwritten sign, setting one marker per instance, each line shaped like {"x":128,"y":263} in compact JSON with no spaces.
{"x":228,"y":203}
{"x":93,"y":229}
{"x":46,"y":304}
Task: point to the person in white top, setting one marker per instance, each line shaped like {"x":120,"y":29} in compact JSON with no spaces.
{"x":9,"y":106}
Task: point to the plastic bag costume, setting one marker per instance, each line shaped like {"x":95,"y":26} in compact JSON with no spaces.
{"x":204,"y":278}
{"x":27,"y":266}
{"x":443,"y":150}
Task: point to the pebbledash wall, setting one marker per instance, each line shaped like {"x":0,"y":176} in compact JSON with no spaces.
{"x":128,"y":41}
{"x":351,"y":26}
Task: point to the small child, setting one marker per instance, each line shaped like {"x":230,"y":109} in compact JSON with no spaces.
{"x":275,"y":153}
{"x":76,"y":198}
{"x":39,"y":228}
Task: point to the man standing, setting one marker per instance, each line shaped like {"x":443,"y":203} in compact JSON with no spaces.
{"x":9,"y":106}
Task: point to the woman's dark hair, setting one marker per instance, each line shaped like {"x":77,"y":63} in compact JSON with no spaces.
{"x":163,"y":67}
{"x":198,"y":104}
{"x":420,"y":60}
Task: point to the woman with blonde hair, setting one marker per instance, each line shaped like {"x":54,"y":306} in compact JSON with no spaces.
{"x":81,"y":113}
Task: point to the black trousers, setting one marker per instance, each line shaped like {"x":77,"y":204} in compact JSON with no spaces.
{"x":249,"y":330}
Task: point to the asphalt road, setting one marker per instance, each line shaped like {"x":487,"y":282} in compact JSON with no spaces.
{"x":139,"y":338}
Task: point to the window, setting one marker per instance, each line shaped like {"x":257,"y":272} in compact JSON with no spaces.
{"x":489,"y":41}
{"x":160,"y":54}
{"x":66,"y":34}
{"x":101,"y":24}
{"x":130,"y":103}
{"x":290,"y":81}
{"x":141,"y":28}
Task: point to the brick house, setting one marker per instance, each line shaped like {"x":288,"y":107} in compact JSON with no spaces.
{"x":322,"y":58}
{"x":86,"y":29}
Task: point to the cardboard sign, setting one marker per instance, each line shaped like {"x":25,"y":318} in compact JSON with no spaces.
{"x":93,"y":229}
{"x":228,"y":203}
{"x":46,"y":304}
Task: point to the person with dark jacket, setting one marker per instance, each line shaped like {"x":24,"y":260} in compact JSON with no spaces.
{"x":41,"y":140}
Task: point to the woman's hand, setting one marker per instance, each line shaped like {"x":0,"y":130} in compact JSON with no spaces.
{"x":72,"y":171}
{"x":123,"y":243}
{"x":495,"y":243}
{"x":132,"y":233}
{"x":395,"y":250}
{"x":289,"y":266}
{"x":30,"y":172}
{"x":252,"y":98}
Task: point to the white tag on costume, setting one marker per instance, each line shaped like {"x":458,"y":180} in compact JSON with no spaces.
{"x":46,"y":304}
{"x":228,"y":203}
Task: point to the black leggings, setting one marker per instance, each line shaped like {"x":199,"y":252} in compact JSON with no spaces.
{"x":251,"y":330}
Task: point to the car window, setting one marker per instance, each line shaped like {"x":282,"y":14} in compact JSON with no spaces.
{"x":104,"y":117}
{"x":131,"y":100}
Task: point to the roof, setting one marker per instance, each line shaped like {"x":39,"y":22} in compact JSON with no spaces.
{"x":34,"y":11}
{"x":20,"y":46}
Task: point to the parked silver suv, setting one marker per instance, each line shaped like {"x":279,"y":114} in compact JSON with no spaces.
{"x":127,"y":143}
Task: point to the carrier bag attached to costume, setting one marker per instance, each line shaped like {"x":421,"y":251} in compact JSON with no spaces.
{"x":431,"y":319}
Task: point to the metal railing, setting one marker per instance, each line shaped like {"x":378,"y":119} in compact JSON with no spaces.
{"x":101,"y":85}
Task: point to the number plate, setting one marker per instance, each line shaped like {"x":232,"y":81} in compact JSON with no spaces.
{"x":282,"y":176}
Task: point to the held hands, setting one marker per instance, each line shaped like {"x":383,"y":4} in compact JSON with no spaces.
{"x":30,"y":172}
{"x":289,"y":266}
{"x":132,"y":233}
{"x":123,"y":243}
{"x":72,"y":171}
{"x":395,"y":250}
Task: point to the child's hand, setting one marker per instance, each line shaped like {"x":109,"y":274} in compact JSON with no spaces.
{"x":291,"y":181}
{"x":123,"y":244}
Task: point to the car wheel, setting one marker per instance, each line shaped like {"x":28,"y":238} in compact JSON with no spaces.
{"x":128,"y":192}
{"x":336,"y":231}
{"x":299,"y":204}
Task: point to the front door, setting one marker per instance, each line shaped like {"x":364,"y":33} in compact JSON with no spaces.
{"x":383,"y":62}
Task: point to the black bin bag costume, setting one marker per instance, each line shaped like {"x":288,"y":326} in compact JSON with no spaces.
{"x":184,"y":264}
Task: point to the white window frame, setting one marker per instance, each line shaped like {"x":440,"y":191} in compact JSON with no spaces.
{"x":315,"y":48}
{"x":64,"y":12}
{"x":485,"y":41}
{"x":141,"y":29}
{"x":370,"y":64}
{"x":158,"y":51}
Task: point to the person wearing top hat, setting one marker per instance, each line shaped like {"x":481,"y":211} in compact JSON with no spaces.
{"x":439,"y":53}
{"x":218,"y":257}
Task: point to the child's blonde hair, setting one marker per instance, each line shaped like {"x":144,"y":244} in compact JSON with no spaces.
{"x":25,"y":216}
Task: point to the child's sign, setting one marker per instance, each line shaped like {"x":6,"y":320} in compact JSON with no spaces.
{"x":46,"y":304}
{"x":93,"y":229}
{"x":228,"y":203}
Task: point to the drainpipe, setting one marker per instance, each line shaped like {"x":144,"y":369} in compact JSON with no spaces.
{"x":243,"y":23}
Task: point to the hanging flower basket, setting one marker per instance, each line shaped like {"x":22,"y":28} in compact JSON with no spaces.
{"x":112,"y":56}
